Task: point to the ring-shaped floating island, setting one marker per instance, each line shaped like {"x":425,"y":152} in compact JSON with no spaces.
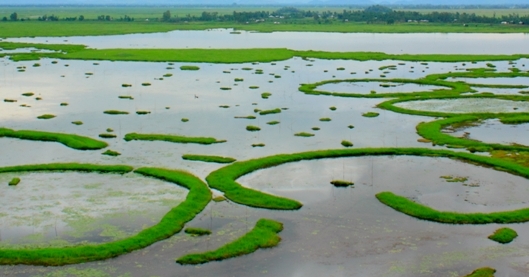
{"x":224,"y":179}
{"x":198,"y":197}
{"x":69,"y":140}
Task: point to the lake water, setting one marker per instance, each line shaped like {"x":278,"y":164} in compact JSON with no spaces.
{"x":338,"y":232}
{"x":425,"y":43}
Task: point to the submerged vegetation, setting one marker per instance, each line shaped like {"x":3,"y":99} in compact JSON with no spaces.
{"x":69,"y":140}
{"x":263,"y":235}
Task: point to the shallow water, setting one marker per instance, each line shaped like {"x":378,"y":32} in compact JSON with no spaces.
{"x":493,"y":131}
{"x":378,"y":87}
{"x":341,"y":232}
{"x":467,"y":105}
{"x":438,"y":43}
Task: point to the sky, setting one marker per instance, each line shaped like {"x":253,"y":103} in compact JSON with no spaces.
{"x":259,"y":2}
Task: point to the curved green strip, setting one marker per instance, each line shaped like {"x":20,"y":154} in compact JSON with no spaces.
{"x":224,"y":178}
{"x":390,"y":105}
{"x":406,"y":206}
{"x":172,"y":138}
{"x":198,"y":197}
{"x":208,"y":159}
{"x":455,"y":88}
{"x":263,"y":235}
{"x":432,"y":131}
{"x":70,"y":140}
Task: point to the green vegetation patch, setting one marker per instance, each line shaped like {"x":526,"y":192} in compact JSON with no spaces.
{"x":263,"y":235}
{"x":197,"y":231}
{"x":28,"y":94}
{"x":325,"y":119}
{"x":482,"y":272}
{"x":258,"y":145}
{"x":266,"y":95}
{"x":503,"y":235}
{"x":246,"y":117}
{"x":333,"y":108}
{"x":172,"y":138}
{"x":69,"y":140}
{"x":209,"y":159}
{"x":15,"y":181}
{"x":370,"y":114}
{"x":189,"y":67}
{"x":111,"y":153}
{"x":171,"y":223}
{"x":346,"y":143}
{"x":126,"y":97}
{"x":184,"y":119}
{"x":341,"y":183}
{"x":77,"y":122}
{"x":252,"y":128}
{"x":115,"y":112}
{"x":274,"y":111}
{"x":274,"y":122}
{"x":142,"y":112}
{"x":107,"y":136}
{"x":406,"y":206}
{"x":303,"y":134}
{"x":46,"y":116}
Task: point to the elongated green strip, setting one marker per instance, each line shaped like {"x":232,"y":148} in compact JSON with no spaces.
{"x":482,"y":272}
{"x":432,"y":131}
{"x":69,"y":140}
{"x":198,"y":197}
{"x":406,"y":206}
{"x":172,"y":138}
{"x":121,"y":169}
{"x":208,"y":159}
{"x":263,"y":235}
{"x":224,"y":178}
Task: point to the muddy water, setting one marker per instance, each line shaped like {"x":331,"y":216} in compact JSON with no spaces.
{"x":338,"y":232}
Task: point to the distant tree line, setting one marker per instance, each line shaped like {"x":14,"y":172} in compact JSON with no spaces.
{"x":371,"y":14}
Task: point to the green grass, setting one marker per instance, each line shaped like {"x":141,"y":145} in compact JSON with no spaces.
{"x":126,"y":97}
{"x":15,"y":181}
{"x":224,"y":178}
{"x":77,"y":122}
{"x":115,"y":112}
{"x":197,"y":231}
{"x":370,"y":114}
{"x":266,"y":95}
{"x":28,"y":94}
{"x":346,"y":143}
{"x":189,"y":67}
{"x":107,"y":136}
{"x":315,"y":128}
{"x":325,"y":119}
{"x":253,"y":87}
{"x":303,"y":134}
{"x":172,"y":222}
{"x":341,"y":183}
{"x":246,"y":117}
{"x":142,"y":112}
{"x":252,"y":128}
{"x":69,"y":140}
{"x":482,"y":272}
{"x":10,"y":100}
{"x":184,"y":119}
{"x":46,"y":116}
{"x":274,"y":122}
{"x":503,"y":235}
{"x":406,"y":206}
{"x":333,"y":108}
{"x":263,"y":235}
{"x":172,"y":138}
{"x":111,"y":153}
{"x":209,"y":159}
{"x":274,"y":111}
{"x":258,"y":145}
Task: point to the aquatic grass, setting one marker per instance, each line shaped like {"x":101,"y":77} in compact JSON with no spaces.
{"x":77,"y":122}
{"x":28,"y":94}
{"x":189,"y":67}
{"x":303,"y":134}
{"x":325,"y":119}
{"x":142,"y":112}
{"x":197,"y":231}
{"x":225,"y":88}
{"x":346,"y":143}
{"x":274,"y":111}
{"x":184,"y":119}
{"x":126,"y":97}
{"x":69,"y":140}
{"x":171,"y":223}
{"x":145,"y":84}
{"x":408,"y":207}
{"x":333,"y":108}
{"x":223,"y":179}
{"x":126,"y":85}
{"x":258,"y":145}
{"x":63,"y":104}
{"x":172,"y":138}
{"x":15,"y":181}
{"x":246,"y":117}
{"x":209,"y":159}
{"x":253,"y":87}
{"x":482,"y":272}
{"x":46,"y":116}
{"x":370,"y":114}
{"x":266,"y":95}
{"x":315,"y":128}
{"x":263,"y":235}
{"x":107,"y":136}
{"x":342,"y":183}
{"x":252,"y":128}
{"x":115,"y":112}
{"x":503,"y":235}
{"x":111,"y":153}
